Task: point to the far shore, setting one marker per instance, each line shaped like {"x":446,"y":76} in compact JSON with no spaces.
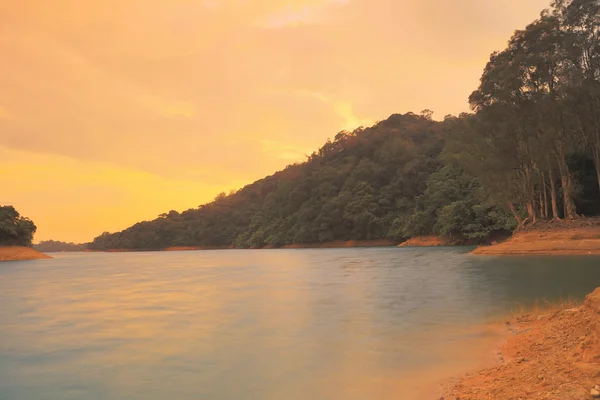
{"x":578,"y":237}
{"x":550,"y":354}
{"x":326,"y":245}
{"x":20,"y":253}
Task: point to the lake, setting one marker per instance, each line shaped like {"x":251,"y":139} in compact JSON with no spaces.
{"x":385,"y":323}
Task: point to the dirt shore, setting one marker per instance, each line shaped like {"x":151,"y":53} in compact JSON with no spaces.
{"x":427,"y":241}
{"x":196,"y":248}
{"x":18,"y":253}
{"x":549,"y":356}
{"x":576,"y":237}
{"x":343,"y":244}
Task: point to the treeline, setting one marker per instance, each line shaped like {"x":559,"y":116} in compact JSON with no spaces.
{"x":15,"y":230}
{"x":538,"y":108}
{"x":529,"y":151}
{"x":388,"y":181}
{"x":55,"y":246}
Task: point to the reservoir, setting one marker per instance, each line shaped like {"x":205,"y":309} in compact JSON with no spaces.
{"x":352,"y":324}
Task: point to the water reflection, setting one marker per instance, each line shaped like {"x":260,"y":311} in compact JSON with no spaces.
{"x":293,"y":324}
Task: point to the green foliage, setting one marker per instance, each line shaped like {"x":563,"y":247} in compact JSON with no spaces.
{"x":536,"y":109}
{"x":384,"y":182}
{"x":15,"y":229}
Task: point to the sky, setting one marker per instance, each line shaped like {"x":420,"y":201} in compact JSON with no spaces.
{"x":114,"y":111}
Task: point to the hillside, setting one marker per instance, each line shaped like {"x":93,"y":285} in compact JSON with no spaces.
{"x":383,"y":182}
{"x":396,"y":180}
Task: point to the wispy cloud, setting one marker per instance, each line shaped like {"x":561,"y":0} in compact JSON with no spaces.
{"x":4,"y":113}
{"x":294,"y":14}
{"x":284,"y":151}
{"x":342,"y":109}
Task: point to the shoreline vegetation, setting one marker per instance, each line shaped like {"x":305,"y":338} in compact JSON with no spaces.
{"x":563,"y":237}
{"x":20,"y":253}
{"x":326,"y":245}
{"x":553,"y":354}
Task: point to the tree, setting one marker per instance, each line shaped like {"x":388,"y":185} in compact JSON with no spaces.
{"x":15,"y":229}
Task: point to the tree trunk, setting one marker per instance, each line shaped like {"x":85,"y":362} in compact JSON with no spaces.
{"x":542,"y":209}
{"x":544,"y":198}
{"x":514,"y":212}
{"x":596,"y":152}
{"x":553,"y":201}
{"x":530,"y":195}
{"x":531,"y":212}
{"x":567,"y":183}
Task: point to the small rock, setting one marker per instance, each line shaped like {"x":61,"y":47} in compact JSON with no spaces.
{"x":597,"y":387}
{"x":595,"y":393}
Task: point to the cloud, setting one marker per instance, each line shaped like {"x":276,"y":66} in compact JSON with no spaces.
{"x":77,"y":200}
{"x":4,"y":113}
{"x":285,"y":151}
{"x":295,"y":14}
{"x":343,"y":109}
{"x":211,"y":94}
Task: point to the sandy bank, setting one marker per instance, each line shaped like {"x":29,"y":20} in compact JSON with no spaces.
{"x":569,"y":237}
{"x":427,"y":241}
{"x":195,"y":248}
{"x":342,"y":244}
{"x":549,"y":356}
{"x":18,"y":253}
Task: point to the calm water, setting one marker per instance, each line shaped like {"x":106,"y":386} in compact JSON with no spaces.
{"x":272,"y":324}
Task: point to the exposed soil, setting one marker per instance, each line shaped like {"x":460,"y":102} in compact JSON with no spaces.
{"x":343,"y":244}
{"x":194,"y":248}
{"x":427,"y":241}
{"x":580,"y":236}
{"x":18,"y":253}
{"x":550,"y":356}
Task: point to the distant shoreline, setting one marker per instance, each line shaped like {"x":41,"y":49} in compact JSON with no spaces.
{"x":577,"y":237}
{"x":20,"y":253}
{"x":326,"y":245}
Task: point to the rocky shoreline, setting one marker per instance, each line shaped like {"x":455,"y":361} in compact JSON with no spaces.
{"x":551,"y":356}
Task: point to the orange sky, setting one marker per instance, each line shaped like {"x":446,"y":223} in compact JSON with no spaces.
{"x":114,"y":111}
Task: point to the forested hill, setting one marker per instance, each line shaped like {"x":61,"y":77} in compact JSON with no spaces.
{"x":529,"y":151}
{"x":386,"y":181}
